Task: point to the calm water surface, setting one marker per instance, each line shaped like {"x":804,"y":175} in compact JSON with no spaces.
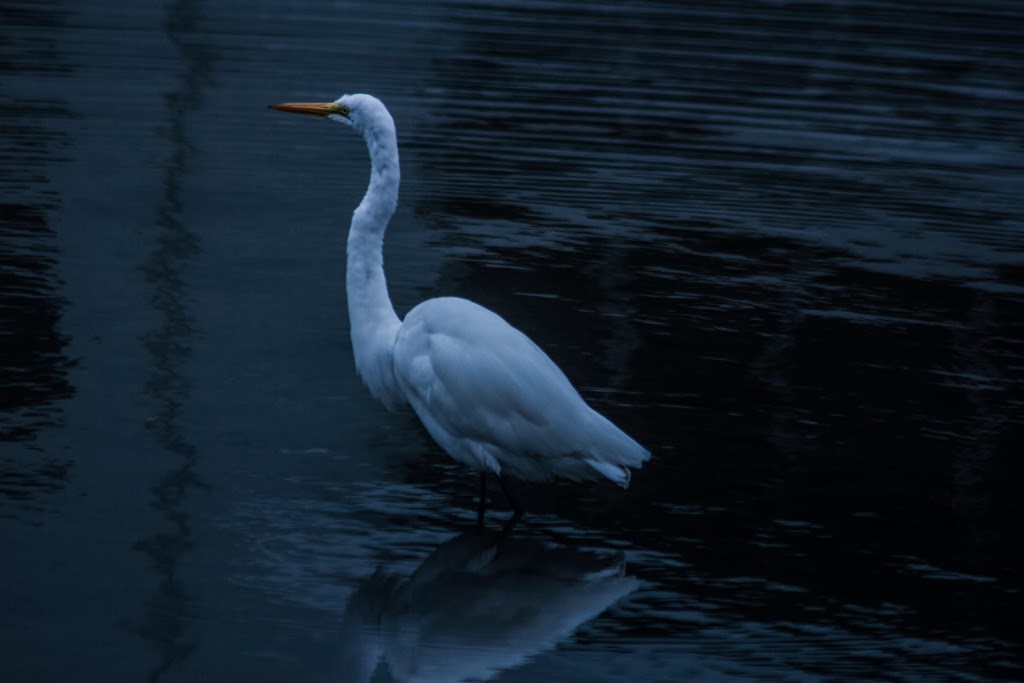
{"x":779,"y":243}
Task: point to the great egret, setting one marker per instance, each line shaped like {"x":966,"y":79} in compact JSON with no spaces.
{"x":487,"y":394}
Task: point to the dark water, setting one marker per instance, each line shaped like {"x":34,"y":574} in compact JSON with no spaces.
{"x":779,"y":243}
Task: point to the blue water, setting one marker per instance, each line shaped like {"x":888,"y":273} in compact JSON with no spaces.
{"x":780,"y":244}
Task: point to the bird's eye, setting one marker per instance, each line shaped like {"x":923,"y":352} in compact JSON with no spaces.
{"x":343,"y":110}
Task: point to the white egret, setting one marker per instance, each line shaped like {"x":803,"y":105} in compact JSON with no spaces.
{"x":487,"y":394}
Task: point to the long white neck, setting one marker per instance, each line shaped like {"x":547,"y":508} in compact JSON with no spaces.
{"x":372,"y":317}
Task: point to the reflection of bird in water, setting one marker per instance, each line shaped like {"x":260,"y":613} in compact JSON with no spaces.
{"x":486,"y":393}
{"x":480,"y":603}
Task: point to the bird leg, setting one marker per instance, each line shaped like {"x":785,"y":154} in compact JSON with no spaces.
{"x":517,"y":511}
{"x":483,"y":500}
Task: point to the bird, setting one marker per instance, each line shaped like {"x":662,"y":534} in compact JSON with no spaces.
{"x":486,"y":394}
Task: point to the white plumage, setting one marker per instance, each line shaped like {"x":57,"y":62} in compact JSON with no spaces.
{"x":493,"y":400}
{"x":490,"y":397}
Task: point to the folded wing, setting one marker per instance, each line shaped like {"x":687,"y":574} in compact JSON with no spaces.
{"x":485,"y":391}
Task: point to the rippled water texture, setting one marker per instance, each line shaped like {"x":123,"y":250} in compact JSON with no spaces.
{"x":779,"y":243}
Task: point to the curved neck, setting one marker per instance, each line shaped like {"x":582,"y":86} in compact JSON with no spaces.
{"x":373,"y":321}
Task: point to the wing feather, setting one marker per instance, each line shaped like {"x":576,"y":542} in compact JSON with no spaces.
{"x":479,"y":383}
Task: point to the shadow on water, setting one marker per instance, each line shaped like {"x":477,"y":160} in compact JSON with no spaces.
{"x":169,"y":345}
{"x":33,"y":362}
{"x":481,"y":602}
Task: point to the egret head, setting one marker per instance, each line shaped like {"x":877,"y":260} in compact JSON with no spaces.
{"x":361,"y":112}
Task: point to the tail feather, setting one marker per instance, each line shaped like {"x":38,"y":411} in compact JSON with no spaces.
{"x":612,"y":444}
{"x":617,"y":473}
{"x":613,"y":452}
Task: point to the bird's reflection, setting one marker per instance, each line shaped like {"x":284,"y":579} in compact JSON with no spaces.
{"x":480,"y":603}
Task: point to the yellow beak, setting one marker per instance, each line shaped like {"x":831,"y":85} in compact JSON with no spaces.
{"x":312,"y":108}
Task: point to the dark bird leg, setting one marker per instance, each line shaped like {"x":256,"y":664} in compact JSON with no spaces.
{"x":483,"y":500}
{"x":517,"y":511}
